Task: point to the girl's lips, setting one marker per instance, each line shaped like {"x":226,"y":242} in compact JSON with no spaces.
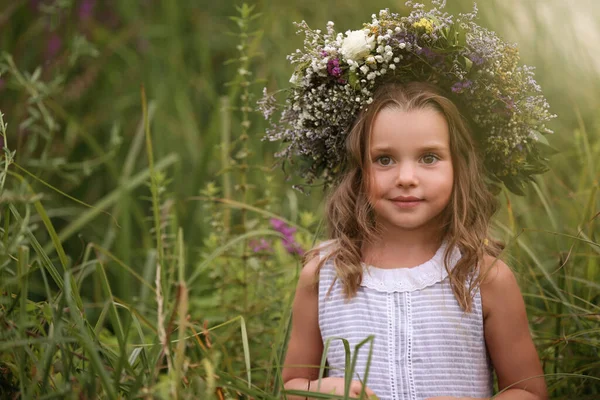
{"x":406,"y":202}
{"x":406,"y":198}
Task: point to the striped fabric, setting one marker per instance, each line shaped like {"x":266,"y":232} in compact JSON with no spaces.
{"x":424,"y":344}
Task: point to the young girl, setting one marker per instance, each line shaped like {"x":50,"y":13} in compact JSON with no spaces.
{"x":398,"y":122}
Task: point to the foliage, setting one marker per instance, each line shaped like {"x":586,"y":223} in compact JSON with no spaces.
{"x":169,"y":272}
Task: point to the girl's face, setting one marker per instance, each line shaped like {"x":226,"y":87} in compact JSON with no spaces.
{"x":410,"y":169}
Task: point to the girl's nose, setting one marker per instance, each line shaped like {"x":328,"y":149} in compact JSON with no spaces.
{"x":406,"y":176}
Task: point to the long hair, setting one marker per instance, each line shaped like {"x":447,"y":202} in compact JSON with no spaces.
{"x":464,"y":221}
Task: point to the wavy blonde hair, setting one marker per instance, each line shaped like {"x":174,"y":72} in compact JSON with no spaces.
{"x":464,"y":221}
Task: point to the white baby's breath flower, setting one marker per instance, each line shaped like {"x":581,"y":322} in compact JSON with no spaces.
{"x":370,"y":60}
{"x":364,"y":69}
{"x":392,"y":66}
{"x":357,"y":45}
{"x":396,"y":60}
{"x":371,"y":76}
{"x":295,"y":79}
{"x":379,"y":58}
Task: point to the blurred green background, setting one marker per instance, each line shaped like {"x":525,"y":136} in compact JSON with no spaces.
{"x":146,"y":263}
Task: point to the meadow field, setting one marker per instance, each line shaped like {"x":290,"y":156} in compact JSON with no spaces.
{"x":148,"y":246}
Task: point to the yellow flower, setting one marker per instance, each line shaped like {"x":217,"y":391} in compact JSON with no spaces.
{"x":425,"y":24}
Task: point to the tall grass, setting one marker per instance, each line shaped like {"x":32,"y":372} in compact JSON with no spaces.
{"x":138,"y":258}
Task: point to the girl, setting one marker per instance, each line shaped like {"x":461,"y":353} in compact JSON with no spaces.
{"x":410,"y":264}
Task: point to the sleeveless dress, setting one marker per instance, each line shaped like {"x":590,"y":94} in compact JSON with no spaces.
{"x":424,"y":344}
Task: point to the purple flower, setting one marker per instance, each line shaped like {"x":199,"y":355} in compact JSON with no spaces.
{"x":260,"y":245}
{"x":405,"y":37}
{"x":333,"y":67}
{"x":53,"y":46}
{"x":477,"y":59}
{"x":460,"y":87}
{"x":431,"y":56}
{"x":510,"y":103}
{"x":86,"y":9}
{"x":288,"y":241}
{"x":324,"y":54}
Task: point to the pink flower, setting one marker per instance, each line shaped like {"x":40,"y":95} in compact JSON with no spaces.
{"x":288,"y":241}
{"x":260,"y":245}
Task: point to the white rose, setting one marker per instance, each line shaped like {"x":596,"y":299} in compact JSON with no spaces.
{"x":357,"y":45}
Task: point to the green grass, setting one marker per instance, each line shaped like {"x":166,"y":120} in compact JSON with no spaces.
{"x":128,"y":217}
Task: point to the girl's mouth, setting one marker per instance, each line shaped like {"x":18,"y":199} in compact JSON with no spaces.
{"x":406,"y":201}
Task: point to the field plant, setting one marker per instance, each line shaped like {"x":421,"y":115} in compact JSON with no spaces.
{"x":149,"y":249}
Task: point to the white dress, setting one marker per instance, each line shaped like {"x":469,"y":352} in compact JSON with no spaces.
{"x":424,"y":344}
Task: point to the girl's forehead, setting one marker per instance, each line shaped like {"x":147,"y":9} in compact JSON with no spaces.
{"x":394,"y":127}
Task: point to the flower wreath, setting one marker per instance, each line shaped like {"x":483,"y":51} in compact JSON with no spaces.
{"x":336,"y":75}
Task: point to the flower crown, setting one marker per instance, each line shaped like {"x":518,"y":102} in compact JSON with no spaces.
{"x":336,"y":75}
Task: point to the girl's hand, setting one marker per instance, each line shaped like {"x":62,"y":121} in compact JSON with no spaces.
{"x":336,"y":386}
{"x":445,"y":398}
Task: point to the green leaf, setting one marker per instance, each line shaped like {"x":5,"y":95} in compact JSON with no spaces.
{"x":353,"y":80}
{"x":468,"y":64}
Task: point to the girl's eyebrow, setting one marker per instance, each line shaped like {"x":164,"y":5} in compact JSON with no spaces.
{"x":428,"y":147}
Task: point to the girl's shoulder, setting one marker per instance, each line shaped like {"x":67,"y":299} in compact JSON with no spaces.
{"x":321,"y":251}
{"x":494,"y":271}
{"x":498,"y":284}
{"x":316,"y":258}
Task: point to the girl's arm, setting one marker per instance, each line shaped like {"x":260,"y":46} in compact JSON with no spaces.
{"x":507,"y":336}
{"x":305,"y":346}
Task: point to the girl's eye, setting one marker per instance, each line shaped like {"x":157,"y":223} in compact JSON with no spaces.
{"x":384,"y":160}
{"x":429,"y":159}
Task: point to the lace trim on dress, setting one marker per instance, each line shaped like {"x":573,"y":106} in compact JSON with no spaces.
{"x":409,"y":279}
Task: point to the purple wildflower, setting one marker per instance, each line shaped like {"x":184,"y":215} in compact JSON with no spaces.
{"x":333,"y":67}
{"x":324,"y":53}
{"x":510,"y":103}
{"x":460,"y":87}
{"x":406,"y":37}
{"x":53,"y":46}
{"x":86,"y":9}
{"x":430,"y":55}
{"x":260,"y":245}
{"x":477,"y":59}
{"x":288,"y":241}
